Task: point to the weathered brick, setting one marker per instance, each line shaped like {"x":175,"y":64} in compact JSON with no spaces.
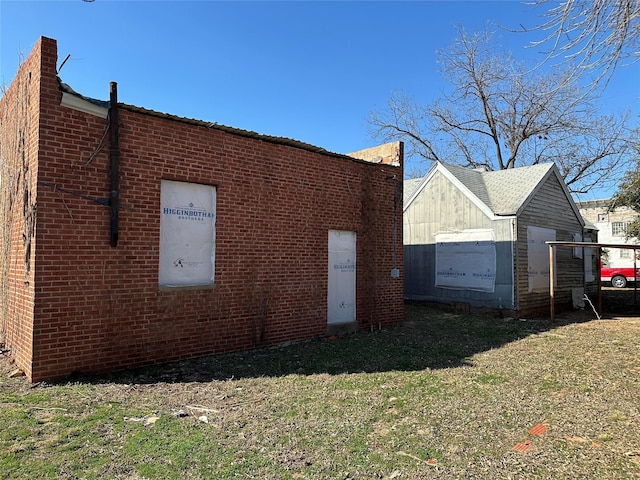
{"x":86,"y":306}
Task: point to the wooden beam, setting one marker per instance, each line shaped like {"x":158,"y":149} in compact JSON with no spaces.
{"x":551,"y":282}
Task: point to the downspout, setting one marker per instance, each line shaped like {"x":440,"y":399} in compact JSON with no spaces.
{"x":114,"y":162}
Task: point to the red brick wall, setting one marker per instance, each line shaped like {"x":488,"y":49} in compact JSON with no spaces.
{"x":100,"y":308}
{"x":19,"y":127}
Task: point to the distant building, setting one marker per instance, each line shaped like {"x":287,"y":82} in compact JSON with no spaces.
{"x":612,"y":228}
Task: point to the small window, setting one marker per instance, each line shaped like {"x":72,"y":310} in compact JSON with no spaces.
{"x":603,"y":217}
{"x":619,"y":229}
{"x":624,"y":253}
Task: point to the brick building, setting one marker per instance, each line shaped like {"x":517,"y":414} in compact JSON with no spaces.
{"x":131,"y":237}
{"x":612,"y":228}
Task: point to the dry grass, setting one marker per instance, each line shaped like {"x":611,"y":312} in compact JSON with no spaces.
{"x":443,"y":396}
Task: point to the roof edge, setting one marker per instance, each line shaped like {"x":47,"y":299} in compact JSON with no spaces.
{"x":418,"y":189}
{"x":77,"y":101}
{"x":554,"y":170}
{"x":484,"y":208}
{"x":441,"y":167}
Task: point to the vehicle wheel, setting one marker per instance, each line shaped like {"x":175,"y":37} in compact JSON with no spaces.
{"x":619,"y":281}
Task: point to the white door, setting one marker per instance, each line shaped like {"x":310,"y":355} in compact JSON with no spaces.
{"x":341,"y":290}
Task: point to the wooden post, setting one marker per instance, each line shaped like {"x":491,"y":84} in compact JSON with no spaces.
{"x":599,"y":258}
{"x":551,"y":283}
{"x":635,"y":279}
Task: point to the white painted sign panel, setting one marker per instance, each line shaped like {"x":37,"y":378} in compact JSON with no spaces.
{"x":341,"y":287}
{"x":577,"y":251}
{"x":589,"y":253}
{"x":187,"y":233}
{"x":538,"y":257}
{"x":466,"y":260}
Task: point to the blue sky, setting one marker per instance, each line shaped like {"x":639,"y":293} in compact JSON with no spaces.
{"x":306,"y":70}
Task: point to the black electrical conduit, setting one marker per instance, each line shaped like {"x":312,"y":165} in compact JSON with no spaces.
{"x":114,"y":162}
{"x":104,"y":201}
{"x":113,"y":201}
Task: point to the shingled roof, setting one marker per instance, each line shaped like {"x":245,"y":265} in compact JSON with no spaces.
{"x":504,"y":192}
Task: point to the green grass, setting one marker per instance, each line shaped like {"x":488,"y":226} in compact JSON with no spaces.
{"x":455,"y":391}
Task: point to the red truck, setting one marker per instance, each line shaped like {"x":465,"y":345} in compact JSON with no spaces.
{"x":618,"y":276}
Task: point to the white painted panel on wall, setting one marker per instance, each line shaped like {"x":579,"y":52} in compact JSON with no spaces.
{"x":577,"y":251}
{"x":538,"y":257}
{"x":341,"y":288}
{"x":187,"y":234}
{"x":466,"y":260}
{"x":589,"y":253}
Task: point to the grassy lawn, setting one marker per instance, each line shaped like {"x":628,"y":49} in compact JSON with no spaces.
{"x":443,"y":396}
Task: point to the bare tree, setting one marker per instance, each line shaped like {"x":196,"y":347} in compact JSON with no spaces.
{"x":500,"y":114}
{"x":595,"y":35}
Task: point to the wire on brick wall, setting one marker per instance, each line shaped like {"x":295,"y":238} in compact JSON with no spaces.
{"x":104,"y":201}
{"x":100,"y":144}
